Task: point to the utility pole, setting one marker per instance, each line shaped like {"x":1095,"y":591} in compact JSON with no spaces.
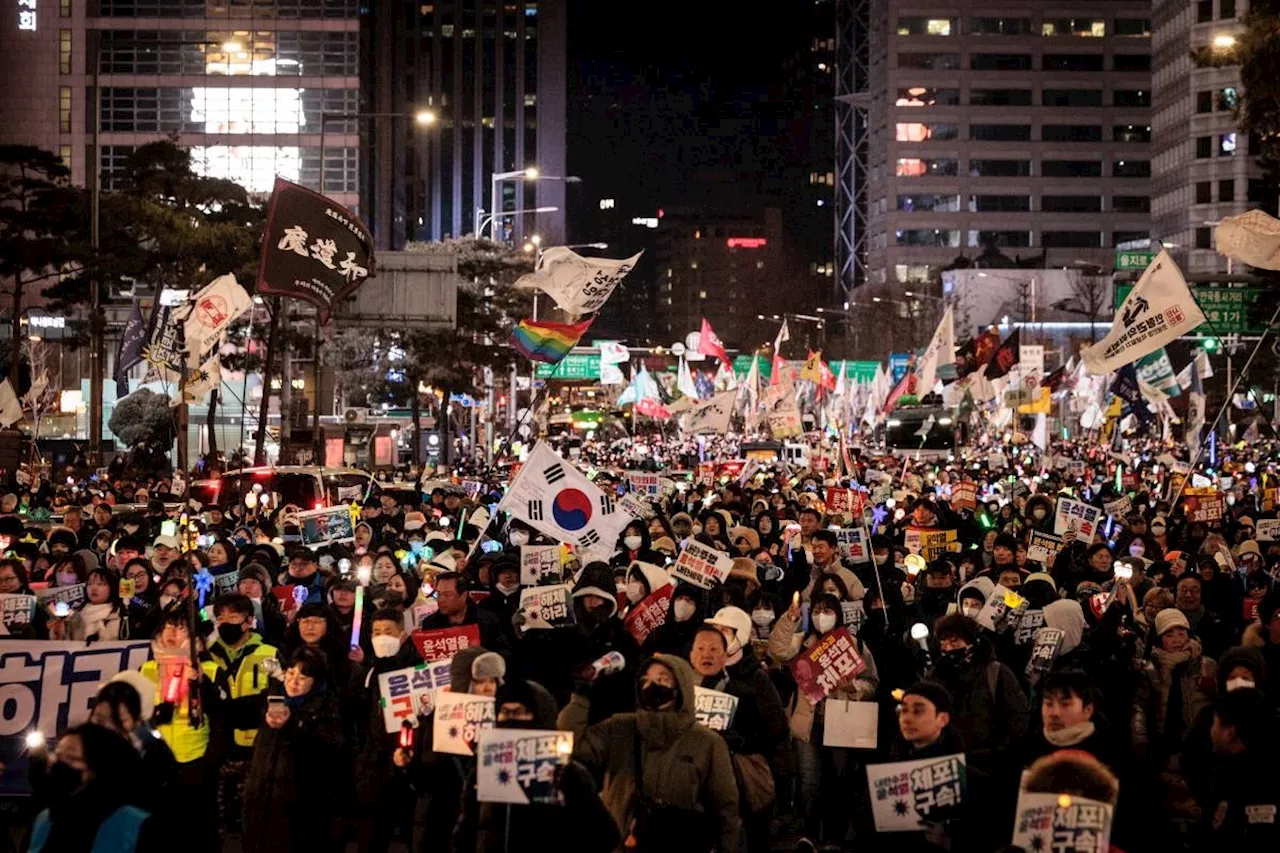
{"x":264,"y":406}
{"x":96,"y":318}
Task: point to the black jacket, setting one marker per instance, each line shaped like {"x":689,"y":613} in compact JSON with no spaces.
{"x":491,"y":634}
{"x":374,"y":746}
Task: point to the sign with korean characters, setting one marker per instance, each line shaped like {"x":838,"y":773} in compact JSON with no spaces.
{"x":458,"y":721}
{"x":1003,"y":609}
{"x":1043,"y":546}
{"x":519,"y":765}
{"x":852,"y":544}
{"x":645,"y":483}
{"x":906,"y":794}
{"x":17,"y":611}
{"x":826,"y":665}
{"x":713,"y":708}
{"x":1204,"y":504}
{"x":443,"y":643}
{"x":1119,"y":507}
{"x":701,"y":565}
{"x":1052,"y":822}
{"x":1075,"y":520}
{"x":1044,"y":650}
{"x":643,"y":618}
{"x":929,"y":543}
{"x":841,"y":502}
{"x":964,"y":496}
{"x":1268,"y":529}
{"x":539,"y":564}
{"x":1229,"y":309}
{"x":547,"y":606}
{"x":410,"y":693}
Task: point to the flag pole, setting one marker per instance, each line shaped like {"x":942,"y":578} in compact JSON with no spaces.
{"x":1231,"y":392}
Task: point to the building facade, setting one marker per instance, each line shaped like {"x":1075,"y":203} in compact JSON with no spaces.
{"x":1203,"y":168}
{"x":494,"y":74}
{"x":1025,"y":129}
{"x":243,"y":83}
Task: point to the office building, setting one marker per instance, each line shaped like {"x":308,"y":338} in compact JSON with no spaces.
{"x":242,"y":83}
{"x":1024,"y":129}
{"x":494,"y":74}
{"x":1203,"y":168}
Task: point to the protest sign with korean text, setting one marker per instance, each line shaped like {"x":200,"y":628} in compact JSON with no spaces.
{"x":410,"y":692}
{"x":852,"y":544}
{"x":853,"y":615}
{"x":1044,"y":650}
{"x":644,"y":483}
{"x":649,"y":613}
{"x":964,"y":496}
{"x":547,"y":606}
{"x":459,"y":719}
{"x":907,"y":794}
{"x":1075,"y":520}
{"x":50,"y":597}
{"x":1118,"y":508}
{"x":841,"y":502}
{"x":702,"y":565}
{"x":1204,"y":504}
{"x":1042,"y":547}
{"x":441,"y":643}
{"x":827,"y":665}
{"x":928,"y":542}
{"x":17,"y":612}
{"x":1268,"y":529}
{"x":1052,"y":822}
{"x":539,"y":564}
{"x":1031,"y":620}
{"x":327,"y":526}
{"x":713,"y":708}
{"x":1002,"y":610}
{"x":520,"y":765}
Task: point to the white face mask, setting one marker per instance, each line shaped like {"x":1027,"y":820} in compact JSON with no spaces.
{"x":621,"y":587}
{"x":684,"y":609}
{"x":824,"y":622}
{"x":1137,"y":549}
{"x":635,"y":591}
{"x":762,"y":617}
{"x":507,"y":588}
{"x":385,"y":646}
{"x":1038,"y":514}
{"x":518,"y":538}
{"x":1237,"y":683}
{"x":1157,"y":531}
{"x":971,"y":610}
{"x":632,"y":542}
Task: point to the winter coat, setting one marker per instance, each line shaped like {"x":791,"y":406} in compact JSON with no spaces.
{"x":991,"y":713}
{"x":374,"y":746}
{"x":289,"y":794}
{"x":1240,"y":810}
{"x":553,"y":658}
{"x":491,"y":635}
{"x":499,"y":827}
{"x":684,"y":765}
{"x":99,"y":622}
{"x":1194,"y":675}
{"x":802,"y":713}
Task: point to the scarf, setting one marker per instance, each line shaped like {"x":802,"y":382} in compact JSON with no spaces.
{"x":1071,"y":735}
{"x":295,"y":702}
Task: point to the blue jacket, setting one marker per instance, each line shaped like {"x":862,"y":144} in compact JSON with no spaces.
{"x":119,"y":833}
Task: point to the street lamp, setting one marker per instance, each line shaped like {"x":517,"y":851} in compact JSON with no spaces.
{"x":423,"y":118}
{"x":529,"y":173}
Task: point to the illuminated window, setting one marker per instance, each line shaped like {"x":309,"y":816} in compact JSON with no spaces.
{"x":927,"y":237}
{"x":64,"y":8}
{"x":915,"y":167}
{"x":917,"y":132}
{"x":64,"y":51}
{"x":1083,"y":27}
{"x":1227,"y":144}
{"x":702,"y":294}
{"x":64,"y":109}
{"x":64,"y":154}
{"x":926,"y":26}
{"x":921,"y":96}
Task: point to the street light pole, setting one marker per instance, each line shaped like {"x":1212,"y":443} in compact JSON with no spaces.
{"x":97,"y":373}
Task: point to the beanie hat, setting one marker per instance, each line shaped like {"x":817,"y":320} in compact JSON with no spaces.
{"x":460,"y":668}
{"x":257,"y":572}
{"x":934,"y":692}
{"x":489,"y":665}
{"x":1169,"y":619}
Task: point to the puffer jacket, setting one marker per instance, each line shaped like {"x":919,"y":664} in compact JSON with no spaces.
{"x":1195,"y":673}
{"x":803,"y":714}
{"x":685,"y":765}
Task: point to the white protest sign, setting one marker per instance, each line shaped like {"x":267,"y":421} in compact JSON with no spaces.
{"x":1043,"y":546}
{"x":905,"y":793}
{"x":1268,"y":529}
{"x":1075,"y":520}
{"x":539,"y":564}
{"x":547,"y":606}
{"x":644,"y":483}
{"x":1119,"y":507}
{"x":1052,"y":822}
{"x":458,"y":721}
{"x":519,"y":765}
{"x":701,"y":565}
{"x":1001,"y":609}
{"x":713,"y":708}
{"x":852,"y":543}
{"x":410,"y":692}
{"x":73,"y":595}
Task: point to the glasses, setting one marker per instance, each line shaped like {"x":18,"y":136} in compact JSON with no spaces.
{"x":133,"y":576}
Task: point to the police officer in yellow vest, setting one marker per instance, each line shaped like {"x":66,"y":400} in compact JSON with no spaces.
{"x":242,"y":679}
{"x":170,"y":670}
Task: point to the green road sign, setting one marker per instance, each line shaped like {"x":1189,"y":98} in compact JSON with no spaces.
{"x":1228,"y":309}
{"x":574,"y":367}
{"x":1134,"y":260}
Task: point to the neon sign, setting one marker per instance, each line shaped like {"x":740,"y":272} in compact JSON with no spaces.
{"x":746,"y":242}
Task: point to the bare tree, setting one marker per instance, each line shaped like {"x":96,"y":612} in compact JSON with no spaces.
{"x":1092,"y":292}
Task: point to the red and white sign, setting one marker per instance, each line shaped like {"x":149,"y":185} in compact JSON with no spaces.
{"x":831,"y":662}
{"x":445,"y":642}
{"x":647,"y":615}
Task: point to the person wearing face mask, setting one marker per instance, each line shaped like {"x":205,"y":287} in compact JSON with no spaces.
{"x":972,"y":597}
{"x":504,"y":596}
{"x":642,"y":580}
{"x":669,"y":782}
{"x":634,"y":545}
{"x":1039,"y":514}
{"x":936,"y":596}
{"x":827,"y":773}
{"x":124,"y":706}
{"x":673,"y":636}
{"x":255,"y":584}
{"x":383,"y":797}
{"x":91,"y":782}
{"x":242,"y":677}
{"x":518,"y":535}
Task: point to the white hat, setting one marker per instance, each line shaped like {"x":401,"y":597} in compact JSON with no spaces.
{"x":145,"y":686}
{"x":736,"y":619}
{"x":168,"y":542}
{"x":414,"y":521}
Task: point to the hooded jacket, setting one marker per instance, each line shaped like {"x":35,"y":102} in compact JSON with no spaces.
{"x":374,"y":746}
{"x":644,"y":553}
{"x":991,"y":712}
{"x":684,"y":765}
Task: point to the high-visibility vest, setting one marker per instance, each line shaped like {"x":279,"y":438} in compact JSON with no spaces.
{"x":243,"y":675}
{"x":187,"y":743}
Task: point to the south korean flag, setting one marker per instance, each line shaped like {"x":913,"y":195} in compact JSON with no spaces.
{"x":555,"y":498}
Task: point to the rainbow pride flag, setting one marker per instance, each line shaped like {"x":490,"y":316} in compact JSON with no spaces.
{"x":549,"y":342}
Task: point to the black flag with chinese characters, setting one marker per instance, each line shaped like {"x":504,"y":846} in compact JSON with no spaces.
{"x":313,"y":249}
{"x":1005,"y":356}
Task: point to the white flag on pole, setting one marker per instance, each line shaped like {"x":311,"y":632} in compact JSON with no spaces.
{"x":1252,"y":238}
{"x":684,"y":381}
{"x":10,"y":408}
{"x":941,"y":351}
{"x":212,"y":309}
{"x":784,"y":335}
{"x":1159,"y":309}
{"x":712,"y":415}
{"x":553,"y":497}
{"x":578,"y":285}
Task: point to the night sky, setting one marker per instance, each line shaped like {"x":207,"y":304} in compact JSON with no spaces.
{"x":660,"y":91}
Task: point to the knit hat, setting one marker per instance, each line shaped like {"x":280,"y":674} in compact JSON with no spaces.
{"x":1170,"y":618}
{"x":257,"y":572}
{"x":741,"y":532}
{"x":460,"y":668}
{"x":665,"y":545}
{"x":489,"y":665}
{"x":934,"y":692}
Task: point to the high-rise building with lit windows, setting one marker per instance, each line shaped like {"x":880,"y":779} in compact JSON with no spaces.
{"x":493,"y":72}
{"x":1025,"y":127}
{"x":242,"y":83}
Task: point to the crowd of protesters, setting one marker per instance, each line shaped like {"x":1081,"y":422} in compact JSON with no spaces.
{"x":272,"y":734}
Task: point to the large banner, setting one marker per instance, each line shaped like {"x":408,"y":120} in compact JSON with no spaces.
{"x":49,"y":686}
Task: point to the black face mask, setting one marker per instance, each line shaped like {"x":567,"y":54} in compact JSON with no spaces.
{"x":514,"y":724}
{"x":230,"y":633}
{"x":64,"y":780}
{"x":955,"y":659}
{"x":653,"y":695}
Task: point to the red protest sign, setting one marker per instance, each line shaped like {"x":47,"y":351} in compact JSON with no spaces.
{"x":828,"y":664}
{"x":706,"y":474}
{"x":1204,"y":504}
{"x":286,"y":597}
{"x":840,"y":501}
{"x":445,"y":642}
{"x":964,"y":496}
{"x":648,"y":614}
